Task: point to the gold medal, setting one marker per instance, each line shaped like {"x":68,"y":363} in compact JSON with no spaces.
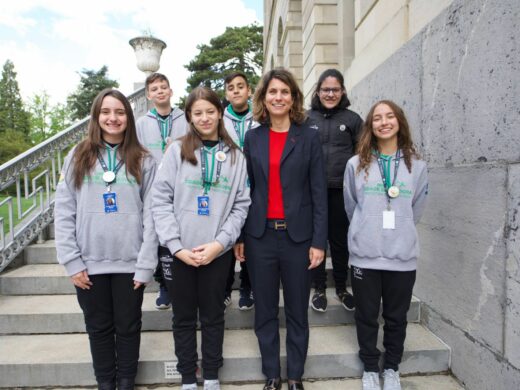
{"x":393,"y":192}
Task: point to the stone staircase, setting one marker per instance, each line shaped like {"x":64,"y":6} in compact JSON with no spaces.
{"x":43,"y":344}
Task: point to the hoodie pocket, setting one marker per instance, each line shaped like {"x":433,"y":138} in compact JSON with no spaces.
{"x":370,"y":240}
{"x":114,"y":236}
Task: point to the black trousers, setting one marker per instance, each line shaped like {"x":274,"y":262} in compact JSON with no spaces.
{"x":273,"y":258}
{"x":197,"y":291}
{"x":338,"y":229}
{"x":112,"y":310}
{"x":395,"y":289}
{"x":245,"y":283}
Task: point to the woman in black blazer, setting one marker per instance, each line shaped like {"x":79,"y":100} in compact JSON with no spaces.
{"x":286,"y":228}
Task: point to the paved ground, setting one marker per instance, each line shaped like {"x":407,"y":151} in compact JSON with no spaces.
{"x":433,"y":382}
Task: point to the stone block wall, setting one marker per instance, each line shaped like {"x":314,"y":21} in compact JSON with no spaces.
{"x":458,"y":80}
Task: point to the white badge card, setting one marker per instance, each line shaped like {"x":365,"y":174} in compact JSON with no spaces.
{"x":388,"y":219}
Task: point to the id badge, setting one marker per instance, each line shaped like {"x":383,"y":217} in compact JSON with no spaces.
{"x":110,"y":201}
{"x":203,"y":205}
{"x":389,"y":219}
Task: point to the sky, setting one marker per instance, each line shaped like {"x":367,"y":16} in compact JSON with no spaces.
{"x":50,"y":41}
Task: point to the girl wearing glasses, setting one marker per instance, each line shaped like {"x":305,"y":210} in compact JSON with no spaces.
{"x":338,"y":128}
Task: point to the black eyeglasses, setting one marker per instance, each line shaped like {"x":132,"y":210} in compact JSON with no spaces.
{"x":327,"y":91}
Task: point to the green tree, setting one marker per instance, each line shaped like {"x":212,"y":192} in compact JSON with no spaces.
{"x":237,"y":49}
{"x":91,"y":83}
{"x":13,"y":143}
{"x":46,"y":120}
{"x":39,"y":108}
{"x":59,"y":118}
{"x":13,"y":116}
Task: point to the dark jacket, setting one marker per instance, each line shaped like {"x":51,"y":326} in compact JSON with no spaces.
{"x":303,"y":184}
{"x":339,"y":131}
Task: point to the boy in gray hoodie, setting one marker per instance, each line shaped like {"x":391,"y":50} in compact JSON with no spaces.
{"x":156,"y":130}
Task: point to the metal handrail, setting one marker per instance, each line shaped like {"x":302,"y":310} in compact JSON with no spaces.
{"x":39,"y":190}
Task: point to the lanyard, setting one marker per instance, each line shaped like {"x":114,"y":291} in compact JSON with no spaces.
{"x":165,"y":128}
{"x":240,"y":130}
{"x":386,"y":180}
{"x":111,"y":163}
{"x":207,"y":177}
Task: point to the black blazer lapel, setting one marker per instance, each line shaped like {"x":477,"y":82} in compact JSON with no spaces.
{"x":292,"y":138}
{"x":263,"y":148}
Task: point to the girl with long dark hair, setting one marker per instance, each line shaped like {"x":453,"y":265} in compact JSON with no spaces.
{"x":105,"y":236}
{"x":385,"y":190}
{"x":200,"y":202}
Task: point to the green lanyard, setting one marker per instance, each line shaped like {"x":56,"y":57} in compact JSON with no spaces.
{"x":240,"y":125}
{"x":165,"y":127}
{"x":240,"y":128}
{"x":208,"y":173}
{"x":112,"y":158}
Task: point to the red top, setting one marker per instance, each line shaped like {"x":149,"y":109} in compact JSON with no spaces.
{"x":274,"y":185}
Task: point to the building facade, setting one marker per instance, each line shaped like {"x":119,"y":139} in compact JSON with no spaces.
{"x":454,"y":66}
{"x":355,"y":36}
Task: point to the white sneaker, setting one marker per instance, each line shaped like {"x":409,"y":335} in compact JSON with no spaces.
{"x":370,"y":381}
{"x":211,"y":384}
{"x":391,"y":379}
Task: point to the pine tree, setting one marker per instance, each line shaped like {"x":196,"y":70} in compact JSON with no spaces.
{"x":92,"y":82}
{"x":13,"y":116}
{"x":237,"y":49}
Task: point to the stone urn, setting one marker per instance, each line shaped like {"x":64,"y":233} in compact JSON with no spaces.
{"x":148,"y":52}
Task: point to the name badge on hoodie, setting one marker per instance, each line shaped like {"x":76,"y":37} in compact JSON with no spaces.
{"x":388,"y":219}
{"x":203,"y":205}
{"x":110,"y":201}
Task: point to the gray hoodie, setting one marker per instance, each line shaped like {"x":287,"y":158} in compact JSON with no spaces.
{"x":174,"y":202}
{"x":104,"y":243}
{"x":371,"y":246}
{"x":231,"y":123}
{"x":149,"y":132}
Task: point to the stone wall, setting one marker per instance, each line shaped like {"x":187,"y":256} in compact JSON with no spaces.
{"x":458,"y":80}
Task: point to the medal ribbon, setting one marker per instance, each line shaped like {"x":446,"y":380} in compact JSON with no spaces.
{"x":207,"y":177}
{"x":111,"y":162}
{"x":165,"y":127}
{"x":386,"y":177}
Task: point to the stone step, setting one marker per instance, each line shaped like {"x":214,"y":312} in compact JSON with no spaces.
{"x":422,"y":382}
{"x":64,"y":360}
{"x":49,"y":278}
{"x":62,"y":314}
{"x":45,"y":253}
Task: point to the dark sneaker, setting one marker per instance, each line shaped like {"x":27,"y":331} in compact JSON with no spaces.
{"x":227,"y":299}
{"x":346,"y":299}
{"x":162,"y":302}
{"x":246,"y":301}
{"x":273,"y":384}
{"x":319,"y":300}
